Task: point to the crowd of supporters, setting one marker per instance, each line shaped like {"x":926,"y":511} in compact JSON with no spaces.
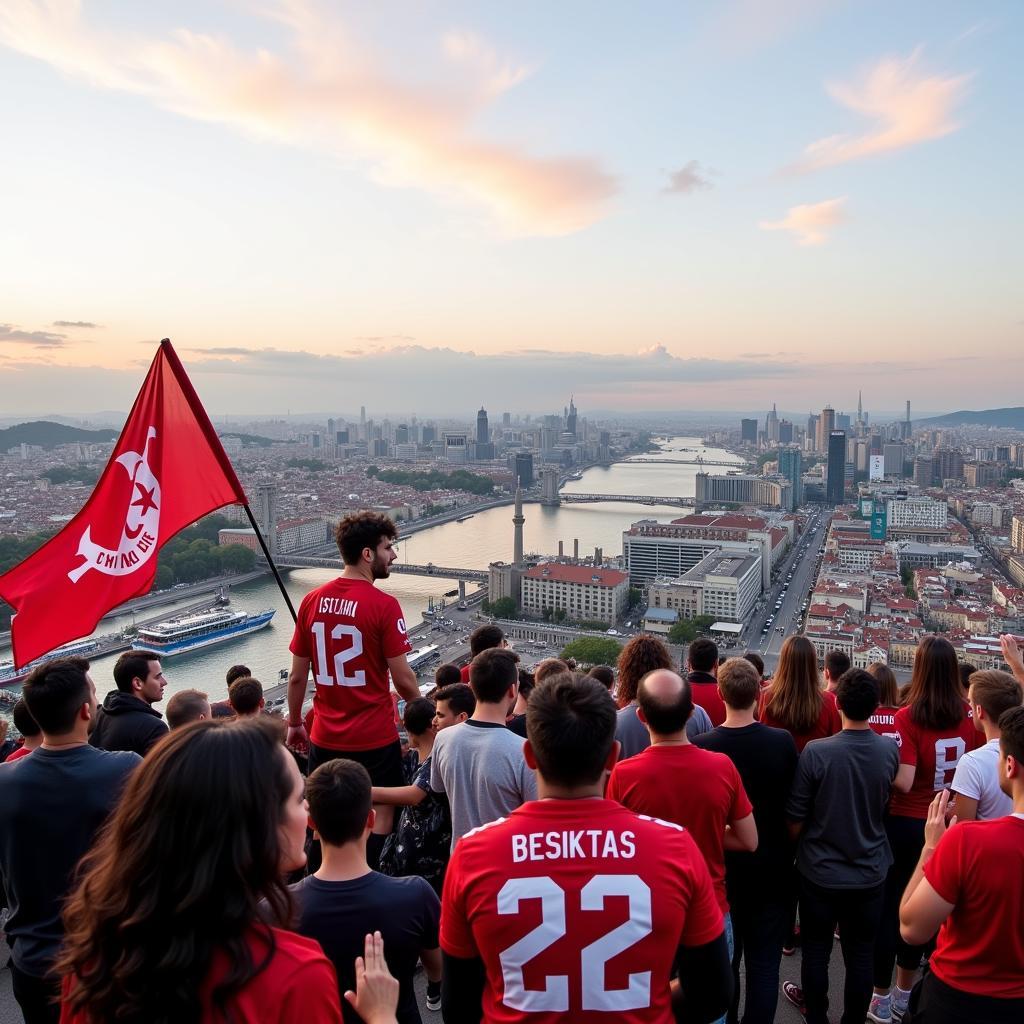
{"x":643,"y":844}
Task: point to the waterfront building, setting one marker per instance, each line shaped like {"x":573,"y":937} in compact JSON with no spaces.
{"x":748,"y":431}
{"x":581,"y":591}
{"x":742,"y":489}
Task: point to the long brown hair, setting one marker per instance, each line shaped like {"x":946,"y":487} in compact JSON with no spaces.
{"x":794,"y":694}
{"x":643,"y":654}
{"x":935,"y":694}
{"x":178,"y":874}
{"x":888,"y":686}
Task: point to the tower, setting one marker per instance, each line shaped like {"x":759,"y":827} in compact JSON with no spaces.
{"x":517,"y":521}
{"x":482,"y":431}
{"x":826,"y":424}
{"x":905,"y":429}
{"x":835,"y":480}
{"x":570,"y":419}
{"x":267,"y":503}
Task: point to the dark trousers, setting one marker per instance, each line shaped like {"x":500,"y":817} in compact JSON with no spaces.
{"x":759,"y":930}
{"x":39,"y":998}
{"x":906,"y":837}
{"x":935,"y":1002}
{"x":857,"y":912}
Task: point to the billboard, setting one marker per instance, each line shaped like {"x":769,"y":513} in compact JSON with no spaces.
{"x":876,"y":464}
{"x":867,"y":506}
{"x":878,"y":523}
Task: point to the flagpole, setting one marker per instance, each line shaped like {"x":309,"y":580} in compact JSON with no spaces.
{"x":270,"y":562}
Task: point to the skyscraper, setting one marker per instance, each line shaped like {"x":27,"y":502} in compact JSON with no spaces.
{"x":771,"y":425}
{"x":785,"y":432}
{"x":791,"y":466}
{"x":835,"y":485}
{"x":905,"y":427}
{"x":826,"y":424}
{"x":570,"y":419}
{"x":812,"y":430}
{"x":748,"y":431}
{"x":483,"y":434}
{"x":524,"y":469}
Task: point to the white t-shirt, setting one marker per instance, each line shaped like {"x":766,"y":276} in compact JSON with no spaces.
{"x":977,"y":776}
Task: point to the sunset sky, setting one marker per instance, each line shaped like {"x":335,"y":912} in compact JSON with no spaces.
{"x":421,"y":206}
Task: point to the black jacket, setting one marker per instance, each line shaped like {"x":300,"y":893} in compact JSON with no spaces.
{"x":127,"y":722}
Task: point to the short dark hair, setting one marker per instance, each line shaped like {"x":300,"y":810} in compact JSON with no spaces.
{"x":484,"y":637}
{"x":362,"y":530}
{"x":186,"y":706}
{"x":547,"y":668}
{"x":245,"y":695}
{"x":23,"y":720}
{"x":857,"y":694}
{"x":131,"y":665}
{"x":966,"y":671}
{"x":604,"y":674}
{"x":55,"y":692}
{"x":996,"y":692}
{"x":526,"y":683}
{"x":236,"y":672}
{"x":756,"y":660}
{"x":739,"y":683}
{"x":1011,"y":740}
{"x":491,"y":673}
{"x":222,"y":709}
{"x":445,"y":675}
{"x":570,"y":723}
{"x":665,"y":715}
{"x":702,"y":655}
{"x":419,"y":713}
{"x":339,"y":794}
{"x":836,"y":663}
{"x":459,"y":697}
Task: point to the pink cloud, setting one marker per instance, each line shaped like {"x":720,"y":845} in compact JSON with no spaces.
{"x":328,"y":92}
{"x":809,"y":222}
{"x":906,"y":107}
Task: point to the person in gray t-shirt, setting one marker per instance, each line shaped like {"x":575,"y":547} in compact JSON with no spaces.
{"x":837,"y":809}
{"x":480,"y":764}
{"x":633,"y":736}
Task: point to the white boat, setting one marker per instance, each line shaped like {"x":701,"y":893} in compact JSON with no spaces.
{"x":204,"y":629}
{"x":9,"y":675}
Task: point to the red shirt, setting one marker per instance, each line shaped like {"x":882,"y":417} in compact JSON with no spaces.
{"x":299,"y":984}
{"x":577,"y":908}
{"x":698,"y":789}
{"x":935,"y":753}
{"x":883,"y":722}
{"x":707,"y":696}
{"x":464,"y":673}
{"x":20,"y":752}
{"x":349,"y":628}
{"x":978,"y":866}
{"x":828,"y":723}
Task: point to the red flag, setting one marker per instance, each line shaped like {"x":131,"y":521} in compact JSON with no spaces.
{"x":167,"y":470}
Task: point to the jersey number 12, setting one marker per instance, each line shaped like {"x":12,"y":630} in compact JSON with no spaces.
{"x":341,"y":658}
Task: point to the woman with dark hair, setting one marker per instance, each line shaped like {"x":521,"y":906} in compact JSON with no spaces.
{"x":794,"y":700}
{"x":934,"y":730}
{"x":165,"y":924}
{"x":883,"y":721}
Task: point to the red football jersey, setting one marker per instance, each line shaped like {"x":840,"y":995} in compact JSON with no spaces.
{"x":708,"y":697}
{"x":349,"y":628}
{"x":698,"y":789}
{"x":577,"y":908}
{"x":828,"y":723}
{"x":979,"y":867}
{"x":936,"y":753}
{"x":883,"y":722}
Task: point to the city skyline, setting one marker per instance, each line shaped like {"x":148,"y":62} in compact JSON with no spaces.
{"x":716,"y":207}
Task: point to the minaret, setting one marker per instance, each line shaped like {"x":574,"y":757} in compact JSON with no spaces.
{"x":517,"y":521}
{"x":860,"y":408}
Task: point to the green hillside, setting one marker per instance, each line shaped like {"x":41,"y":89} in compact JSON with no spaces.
{"x":49,"y":435}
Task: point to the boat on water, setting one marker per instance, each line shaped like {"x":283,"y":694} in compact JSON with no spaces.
{"x":202,"y":629}
{"x":10,"y":675}
{"x":462,"y":519}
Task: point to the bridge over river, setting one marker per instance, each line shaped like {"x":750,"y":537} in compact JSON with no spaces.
{"x":634,"y":499}
{"x":445,"y":572}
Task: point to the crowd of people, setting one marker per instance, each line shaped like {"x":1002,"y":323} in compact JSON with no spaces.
{"x":638,"y":844}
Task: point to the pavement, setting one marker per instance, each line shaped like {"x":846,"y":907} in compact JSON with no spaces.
{"x":790,"y":971}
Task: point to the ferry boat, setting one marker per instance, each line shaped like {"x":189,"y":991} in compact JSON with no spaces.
{"x":9,"y":675}
{"x":203,"y":629}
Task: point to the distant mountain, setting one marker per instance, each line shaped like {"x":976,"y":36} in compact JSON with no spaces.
{"x":49,"y":435}
{"x":1010,"y":418}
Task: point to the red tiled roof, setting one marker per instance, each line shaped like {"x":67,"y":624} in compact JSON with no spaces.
{"x":582,"y":574}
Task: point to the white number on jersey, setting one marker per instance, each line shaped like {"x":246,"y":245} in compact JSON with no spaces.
{"x":341,"y":657}
{"x":554,"y":997}
{"x":947,"y":755}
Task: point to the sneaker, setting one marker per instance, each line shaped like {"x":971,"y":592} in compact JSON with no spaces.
{"x":880,"y":1010}
{"x":795,"y":995}
{"x":899,"y":1009}
{"x":433,"y":995}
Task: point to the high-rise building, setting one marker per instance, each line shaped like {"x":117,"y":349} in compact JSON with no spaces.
{"x":826,"y":424}
{"x":906,"y":429}
{"x":923,"y":471}
{"x":835,"y":485}
{"x":894,"y":457}
{"x":812,"y":431}
{"x":843,"y":422}
{"x":402,"y":433}
{"x":429,"y":433}
{"x":791,"y":466}
{"x":506,"y":419}
{"x":947,"y":464}
{"x":748,"y":431}
{"x":524,"y":469}
{"x":785,"y":432}
{"x":341,"y":436}
{"x":771,"y":426}
{"x":570,"y":419}
{"x":483,"y":433}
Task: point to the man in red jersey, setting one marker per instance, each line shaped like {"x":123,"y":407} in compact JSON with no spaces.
{"x":572,"y":907}
{"x":702,"y":664}
{"x":354,"y":635}
{"x":969,"y":885}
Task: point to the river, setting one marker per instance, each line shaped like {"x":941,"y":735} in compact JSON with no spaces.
{"x":484,"y":538}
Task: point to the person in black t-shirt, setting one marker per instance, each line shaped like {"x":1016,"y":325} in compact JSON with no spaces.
{"x":758,"y":883}
{"x":344,"y":899}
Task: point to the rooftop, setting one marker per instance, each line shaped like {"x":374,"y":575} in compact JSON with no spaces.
{"x":583,"y":575}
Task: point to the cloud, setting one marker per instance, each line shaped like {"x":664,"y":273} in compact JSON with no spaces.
{"x":76,"y":323}
{"x":740,"y":27}
{"x":328,"y":92}
{"x":809,"y":221}
{"x":688,"y":178}
{"x":906,"y":107}
{"x":40,"y":339}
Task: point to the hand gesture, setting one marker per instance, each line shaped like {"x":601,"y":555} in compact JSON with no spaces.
{"x":376,"y":996}
{"x":935,"y":824}
{"x":1012,"y":655}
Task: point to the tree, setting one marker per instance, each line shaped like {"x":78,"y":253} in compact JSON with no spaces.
{"x":485,"y":606}
{"x":558,"y":615}
{"x":687,"y":630}
{"x":593,"y":650}
{"x":634,"y":597}
{"x":504,"y":608}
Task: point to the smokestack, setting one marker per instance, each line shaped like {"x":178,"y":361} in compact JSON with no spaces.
{"x":576,"y":549}
{"x":561,"y":549}
{"x":597,"y":556}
